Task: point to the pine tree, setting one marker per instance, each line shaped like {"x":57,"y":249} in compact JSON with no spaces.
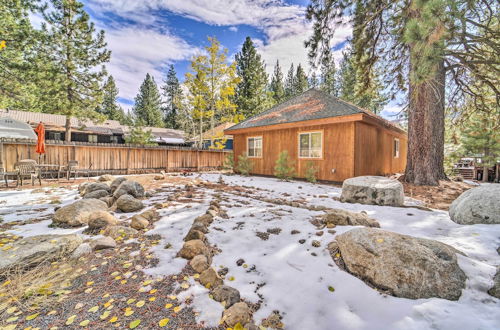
{"x":300,"y":82}
{"x":284,"y":168}
{"x":147,"y":107}
{"x":329,"y":76}
{"x":313,"y":80}
{"x":251,"y":93}
{"x":75,"y":52}
{"x":429,"y":39}
{"x":172,"y":92}
{"x":277,"y":87}
{"x":290,"y":83}
{"x":139,"y":135}
{"x":109,"y":107}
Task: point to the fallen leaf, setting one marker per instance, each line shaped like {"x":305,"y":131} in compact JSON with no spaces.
{"x":84,"y":323}
{"x":90,"y":283}
{"x":93,"y":309}
{"x":152,"y":299}
{"x":177,"y":309}
{"x":163,"y":322}
{"x":104,"y":315}
{"x":128,"y":311}
{"x":140,"y":303}
{"x":153,"y":291}
{"x":32,"y":316}
{"x":131,"y":300}
{"x":113,"y":319}
{"x":134,"y":324}
{"x":70,"y":320}
{"x":167,"y":306}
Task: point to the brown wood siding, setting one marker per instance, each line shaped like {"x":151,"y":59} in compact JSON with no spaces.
{"x":116,"y":159}
{"x":374,"y":150}
{"x":338,"y":150}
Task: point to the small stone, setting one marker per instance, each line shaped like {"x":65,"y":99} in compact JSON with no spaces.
{"x":199,"y":263}
{"x":295,"y":232}
{"x":193,"y":248}
{"x":223,"y":271}
{"x":240,"y":262}
{"x":103,"y":243}
{"x":316,"y":243}
{"x":209,"y":278}
{"x":319,"y":233}
{"x":195,"y":234}
{"x":238,"y":313}
{"x":313,"y":254}
{"x":333,"y":232}
{"x":139,"y":222}
{"x":273,"y":321}
{"x":119,"y":231}
{"x":302,"y":241}
{"x":101,"y":219}
{"x":330,"y":225}
{"x":200,"y":227}
{"x":106,"y":177}
{"x":226,"y":293}
{"x":82,"y":250}
{"x":127,"y":203}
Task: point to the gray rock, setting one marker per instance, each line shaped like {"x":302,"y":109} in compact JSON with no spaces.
{"x":82,"y":250}
{"x":119,"y":231}
{"x":101,"y":219}
{"x":109,"y":200}
{"x":102,"y":243}
{"x":402,"y":265}
{"x":116,"y":183}
{"x":226,"y":293}
{"x":477,"y":205}
{"x":495,"y":290}
{"x":78,"y":213}
{"x":199,"y":263}
{"x":31,"y":251}
{"x":375,"y":190}
{"x":96,"y":186}
{"x":195,"y":234}
{"x":238,"y":313}
{"x":127,"y":203}
{"x":97,"y":194}
{"x":340,"y":217}
{"x":81,"y":187}
{"x":132,"y":188}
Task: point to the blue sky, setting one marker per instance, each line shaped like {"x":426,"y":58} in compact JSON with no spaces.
{"x":146,"y":36}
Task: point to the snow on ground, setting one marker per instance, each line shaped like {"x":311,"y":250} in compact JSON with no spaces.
{"x":284,"y":274}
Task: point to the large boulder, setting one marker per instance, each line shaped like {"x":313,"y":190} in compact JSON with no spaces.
{"x":495,"y":289}
{"x":31,"y":251}
{"x":96,"y":186}
{"x":238,"y":313}
{"x":403,"y":266}
{"x":101,"y":219}
{"x":340,"y":217}
{"x":97,"y":194}
{"x":116,"y":183}
{"x":78,"y":213}
{"x":477,"y":205}
{"x":127,"y":203}
{"x":375,"y":190}
{"x":132,"y":188}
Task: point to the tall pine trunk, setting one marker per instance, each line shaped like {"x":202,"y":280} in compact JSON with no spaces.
{"x":426,"y":129}
{"x":67,"y":136}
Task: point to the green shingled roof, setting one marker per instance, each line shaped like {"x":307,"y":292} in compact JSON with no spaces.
{"x":312,"y":104}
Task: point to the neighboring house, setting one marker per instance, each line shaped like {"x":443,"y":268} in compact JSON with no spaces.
{"x":216,"y":137}
{"x":110,"y":131}
{"x":340,"y":139}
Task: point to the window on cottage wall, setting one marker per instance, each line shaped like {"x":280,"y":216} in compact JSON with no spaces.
{"x":254,"y":147}
{"x":396,"y":148}
{"x":113,"y":139}
{"x":310,"y":145}
{"x":93,"y":138}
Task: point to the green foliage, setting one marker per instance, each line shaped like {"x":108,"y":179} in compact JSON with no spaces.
{"x":300,"y":82}
{"x":244,"y":165}
{"x":229,"y":161}
{"x":329,"y":82}
{"x":277,"y":87}
{"x":147,"y":107}
{"x":109,"y":106}
{"x":290,"y":83}
{"x":173,"y":93}
{"x":251,"y":93}
{"x":139,"y":135}
{"x":311,"y":172}
{"x":284,"y":168}
{"x":75,"y":53}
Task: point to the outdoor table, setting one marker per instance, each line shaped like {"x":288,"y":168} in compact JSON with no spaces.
{"x":49,"y":169}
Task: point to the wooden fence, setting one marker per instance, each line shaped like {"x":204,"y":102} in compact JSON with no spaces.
{"x":115,"y":159}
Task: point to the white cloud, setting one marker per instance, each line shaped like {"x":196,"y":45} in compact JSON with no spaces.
{"x":233,"y":28}
{"x":137,"y":51}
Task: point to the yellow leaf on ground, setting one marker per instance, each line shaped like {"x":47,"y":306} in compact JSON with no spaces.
{"x":172,"y":297}
{"x":380,"y":240}
{"x":131,"y":300}
{"x":104,"y":315}
{"x":84,"y":323}
{"x":51,"y":312}
{"x":12,"y":319}
{"x":10,"y":327}
{"x":128,"y":311}
{"x":163,"y":322}
{"x":89,"y":290}
{"x":140,"y":303}
{"x":93,"y":309}
{"x":146,"y":282}
{"x":70,"y":320}
{"x":106,"y":295}
{"x":185,"y":285}
{"x":152,"y":299}
{"x":177,"y":309}
{"x":32,"y":316}
{"x":134,"y":324}
{"x":113,"y":319}
{"x":167,"y":306}
{"x":153,"y":291}
{"x":11,"y":310}
{"x":90,"y":283}
{"x":6,"y":283}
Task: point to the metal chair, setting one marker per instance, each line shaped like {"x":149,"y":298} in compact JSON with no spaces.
{"x":4,"y":175}
{"x":27,"y":169}
{"x":72,"y":167}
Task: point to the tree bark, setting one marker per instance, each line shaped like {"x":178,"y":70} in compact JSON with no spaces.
{"x":425,"y":155}
{"x":67,"y":136}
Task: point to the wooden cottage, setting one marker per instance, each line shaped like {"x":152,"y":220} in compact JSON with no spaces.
{"x":338,"y":138}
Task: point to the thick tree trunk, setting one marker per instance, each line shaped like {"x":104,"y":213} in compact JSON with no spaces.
{"x":67,"y":136}
{"x":426,"y":130}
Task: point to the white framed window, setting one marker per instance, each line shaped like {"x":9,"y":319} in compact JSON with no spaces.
{"x":396,"y":148}
{"x":93,"y":138}
{"x":311,"y":145}
{"x":254,"y":146}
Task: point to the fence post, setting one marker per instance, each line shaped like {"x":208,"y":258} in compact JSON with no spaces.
{"x":197,"y":160}
{"x":128,"y":160}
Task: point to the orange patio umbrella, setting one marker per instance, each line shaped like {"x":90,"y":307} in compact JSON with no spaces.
{"x":40,"y":145}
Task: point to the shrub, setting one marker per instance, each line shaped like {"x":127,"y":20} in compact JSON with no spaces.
{"x":245,"y":165}
{"x":311,"y":172}
{"x":284,"y":168}
{"x":229,"y":162}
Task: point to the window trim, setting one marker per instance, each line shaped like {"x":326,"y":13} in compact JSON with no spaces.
{"x":92,"y":135}
{"x":396,"y":151}
{"x":261,"y":146}
{"x":322,"y":144}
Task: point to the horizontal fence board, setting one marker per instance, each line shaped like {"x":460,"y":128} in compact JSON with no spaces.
{"x":117,"y":159}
